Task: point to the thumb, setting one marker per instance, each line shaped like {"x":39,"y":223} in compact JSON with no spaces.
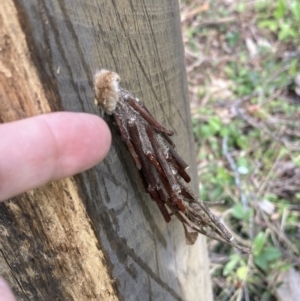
{"x":5,"y":291}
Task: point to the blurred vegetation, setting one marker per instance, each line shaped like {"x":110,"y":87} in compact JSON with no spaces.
{"x":243,"y":65}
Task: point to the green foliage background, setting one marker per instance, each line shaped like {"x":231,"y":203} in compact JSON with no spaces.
{"x":243,"y":60}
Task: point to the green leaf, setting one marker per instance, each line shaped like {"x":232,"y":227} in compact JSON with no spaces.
{"x":243,"y":161}
{"x":215,"y":124}
{"x":266,"y":296}
{"x":224,"y":131}
{"x":242,"y":272}
{"x":241,"y":7}
{"x":205,"y":131}
{"x":295,"y":8}
{"x":272,"y":197}
{"x":239,"y":212}
{"x":286,"y":31}
{"x":261,"y":261}
{"x":232,"y":38}
{"x":296,"y":160}
{"x":214,"y":145}
{"x":258,"y":243}
{"x":280,"y":9}
{"x":231,"y":264}
{"x":268,"y":255}
{"x":261,"y":4}
{"x":229,"y":71}
{"x":270,"y":24}
{"x":242,"y":142}
{"x":272,"y":253}
{"x":223,"y":176}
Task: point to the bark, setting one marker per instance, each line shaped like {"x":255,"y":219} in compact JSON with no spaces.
{"x":96,"y":236}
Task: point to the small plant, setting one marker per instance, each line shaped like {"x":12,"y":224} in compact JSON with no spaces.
{"x":247,"y":132}
{"x":281,"y":17}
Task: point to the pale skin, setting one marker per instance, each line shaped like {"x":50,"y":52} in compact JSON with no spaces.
{"x":45,"y":148}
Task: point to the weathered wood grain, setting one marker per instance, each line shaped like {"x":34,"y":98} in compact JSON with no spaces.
{"x":97,"y":236}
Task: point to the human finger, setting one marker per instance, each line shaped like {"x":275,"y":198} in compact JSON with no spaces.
{"x":49,"y":147}
{"x":5,"y":291}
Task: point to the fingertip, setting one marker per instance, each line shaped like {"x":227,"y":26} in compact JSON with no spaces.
{"x":83,"y":140}
{"x":49,"y":147}
{"x":5,"y":291}
{"x":104,"y":137}
{"x":99,"y":142}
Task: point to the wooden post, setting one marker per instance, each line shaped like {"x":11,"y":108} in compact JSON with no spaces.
{"x":96,"y":236}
